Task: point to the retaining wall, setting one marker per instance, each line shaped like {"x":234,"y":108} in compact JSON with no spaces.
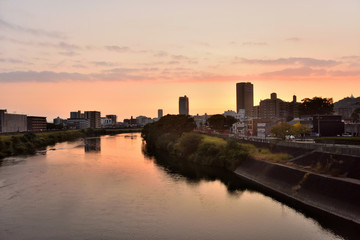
{"x":337,"y":196}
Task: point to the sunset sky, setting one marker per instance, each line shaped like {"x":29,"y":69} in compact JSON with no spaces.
{"x":133,"y":57}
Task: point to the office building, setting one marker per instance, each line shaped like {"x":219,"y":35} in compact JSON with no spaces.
{"x":113,"y":118}
{"x":94,"y":118}
{"x":276,"y":108}
{"x":58,"y":121}
{"x":36,"y":124}
{"x":293,"y":109}
{"x":184,"y":105}
{"x":78,"y":123}
{"x":76,"y":115}
{"x":273,"y":108}
{"x":160,"y":114}
{"x":255,"y":113}
{"x":143,"y":120}
{"x":328,"y":125}
{"x":245,"y":97}
{"x":12,"y":122}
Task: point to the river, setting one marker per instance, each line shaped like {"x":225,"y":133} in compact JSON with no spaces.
{"x":107,"y":188}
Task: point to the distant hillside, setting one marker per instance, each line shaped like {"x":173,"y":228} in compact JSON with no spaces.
{"x":347,"y":102}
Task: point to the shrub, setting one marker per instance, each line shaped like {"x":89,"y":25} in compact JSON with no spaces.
{"x":188,"y":144}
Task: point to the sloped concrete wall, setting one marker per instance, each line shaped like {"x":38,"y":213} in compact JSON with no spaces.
{"x":340,"y":197}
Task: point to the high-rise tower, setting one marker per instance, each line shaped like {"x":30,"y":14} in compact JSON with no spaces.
{"x":160,"y":113}
{"x":184,"y":105}
{"x":245,"y":97}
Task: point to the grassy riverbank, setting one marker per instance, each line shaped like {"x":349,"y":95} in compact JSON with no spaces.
{"x":215,"y":151}
{"x":339,"y":140}
{"x":29,"y":143}
{"x":173,"y":134}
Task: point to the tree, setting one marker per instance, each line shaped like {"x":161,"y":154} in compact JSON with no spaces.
{"x":316,"y":106}
{"x":355,"y":115}
{"x":229,"y":121}
{"x":172,"y":125}
{"x":301,"y":129}
{"x":219,"y":122}
{"x":216,"y":122}
{"x":282,"y":129}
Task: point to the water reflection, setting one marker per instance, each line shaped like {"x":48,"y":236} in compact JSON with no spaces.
{"x":120,"y":194}
{"x":131,"y":136}
{"x":194,"y":174}
{"x":235,"y":185}
{"x":92,"y":144}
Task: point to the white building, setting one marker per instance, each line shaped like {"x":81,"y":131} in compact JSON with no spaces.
{"x":12,"y":122}
{"x":79,"y":123}
{"x":200,"y":120}
{"x":143,"y":120}
{"x":106,"y":122}
{"x":239,"y":128}
{"x":240,"y":116}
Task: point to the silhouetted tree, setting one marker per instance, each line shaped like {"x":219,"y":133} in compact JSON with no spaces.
{"x":219,"y":122}
{"x":355,"y":115}
{"x":316,"y":105}
{"x":229,"y":121}
{"x":165,"y":131}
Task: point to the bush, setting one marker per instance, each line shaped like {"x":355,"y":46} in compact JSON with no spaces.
{"x":188,"y":144}
{"x":209,"y":154}
{"x":235,"y":153}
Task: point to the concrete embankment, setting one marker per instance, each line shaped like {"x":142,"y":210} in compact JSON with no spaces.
{"x":335,"y":196}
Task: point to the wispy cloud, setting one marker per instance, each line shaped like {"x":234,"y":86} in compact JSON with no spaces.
{"x":68,"y":46}
{"x":200,"y":43}
{"x":173,"y":62}
{"x":117,"y":48}
{"x":45,"y":76}
{"x":179,"y":57}
{"x":170,"y":74}
{"x":60,"y":45}
{"x":294,"y":39}
{"x":119,"y":74}
{"x":161,"y":54}
{"x":130,"y":70}
{"x":78,"y":66}
{"x":290,"y":61}
{"x":103,"y":63}
{"x":304,"y":71}
{"x":254,"y":43}
{"x":32,"y":31}
{"x":353,"y":57}
{"x":13,"y":60}
{"x":340,"y":73}
{"x":68,"y":53}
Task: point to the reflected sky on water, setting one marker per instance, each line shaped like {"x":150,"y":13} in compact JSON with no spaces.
{"x":108,"y":189}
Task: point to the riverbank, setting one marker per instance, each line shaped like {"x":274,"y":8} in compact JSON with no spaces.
{"x":336,"y":196}
{"x":280,"y":169}
{"x":29,"y":143}
{"x":174,"y":134}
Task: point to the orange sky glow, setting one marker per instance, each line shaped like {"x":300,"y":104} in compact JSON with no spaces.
{"x":136,"y":57}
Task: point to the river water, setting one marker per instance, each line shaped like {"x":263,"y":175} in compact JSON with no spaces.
{"x":106,"y":188}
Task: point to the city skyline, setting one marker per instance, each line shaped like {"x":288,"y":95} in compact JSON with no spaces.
{"x":136,"y":57}
{"x":103,"y":114}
